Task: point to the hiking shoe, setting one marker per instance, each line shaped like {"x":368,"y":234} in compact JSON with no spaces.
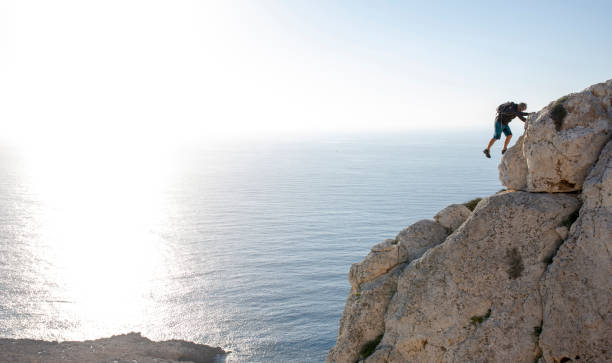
{"x":487,"y":154}
{"x":504,"y":151}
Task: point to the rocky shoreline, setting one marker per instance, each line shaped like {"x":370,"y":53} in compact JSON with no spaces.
{"x":125,"y":348}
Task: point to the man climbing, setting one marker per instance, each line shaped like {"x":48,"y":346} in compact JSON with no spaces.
{"x":505,"y":113}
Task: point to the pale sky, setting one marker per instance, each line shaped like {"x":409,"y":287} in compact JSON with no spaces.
{"x":173,"y":72}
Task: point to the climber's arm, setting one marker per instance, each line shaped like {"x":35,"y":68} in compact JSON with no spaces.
{"x":522,"y":115}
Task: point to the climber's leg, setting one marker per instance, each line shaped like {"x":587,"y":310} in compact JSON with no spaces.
{"x":508,"y":134}
{"x":491,"y":143}
{"x":496,"y":136}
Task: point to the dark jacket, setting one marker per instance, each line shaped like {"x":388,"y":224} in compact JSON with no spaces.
{"x":510,"y":114}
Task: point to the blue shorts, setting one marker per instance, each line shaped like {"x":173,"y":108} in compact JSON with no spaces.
{"x":499,"y":128}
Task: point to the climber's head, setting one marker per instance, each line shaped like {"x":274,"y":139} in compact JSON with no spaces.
{"x":522,"y":106}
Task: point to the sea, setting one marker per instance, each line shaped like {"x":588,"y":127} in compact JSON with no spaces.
{"x":244,"y":245}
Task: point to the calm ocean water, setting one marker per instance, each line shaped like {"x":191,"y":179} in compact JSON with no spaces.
{"x":245,"y":247}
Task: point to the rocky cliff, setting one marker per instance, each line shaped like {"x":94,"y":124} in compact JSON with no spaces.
{"x":524,"y":277}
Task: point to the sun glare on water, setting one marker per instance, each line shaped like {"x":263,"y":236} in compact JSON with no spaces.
{"x":98,"y":246}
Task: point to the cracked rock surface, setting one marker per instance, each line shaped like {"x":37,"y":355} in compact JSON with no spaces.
{"x":476,"y":296}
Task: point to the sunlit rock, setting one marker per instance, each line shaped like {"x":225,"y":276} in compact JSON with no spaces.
{"x":374,"y":281}
{"x":577,"y":290}
{"x":513,"y":167}
{"x":453,"y":216}
{"x":475,"y":297}
{"x":561,"y":143}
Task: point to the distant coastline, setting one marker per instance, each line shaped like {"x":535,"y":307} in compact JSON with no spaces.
{"x":118,"y":348}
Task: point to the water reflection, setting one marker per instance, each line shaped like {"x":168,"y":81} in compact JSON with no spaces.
{"x":96,"y":260}
{"x":246,"y":248}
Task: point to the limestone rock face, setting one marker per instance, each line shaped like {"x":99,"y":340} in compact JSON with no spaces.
{"x":577,"y":290}
{"x":453,"y":216}
{"x":475,"y":298}
{"x":382,"y":258}
{"x":409,"y":244}
{"x":561,"y":142}
{"x":363,"y":317}
{"x":374,"y":281}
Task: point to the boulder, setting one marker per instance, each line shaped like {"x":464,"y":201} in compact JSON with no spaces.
{"x":453,"y":216}
{"x":513,"y":167}
{"x":577,"y":289}
{"x":561,"y":142}
{"x":419,"y":237}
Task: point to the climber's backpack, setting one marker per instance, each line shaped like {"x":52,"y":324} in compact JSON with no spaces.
{"x":505,"y":108}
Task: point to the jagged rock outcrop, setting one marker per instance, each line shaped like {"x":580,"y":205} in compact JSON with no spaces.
{"x":523,"y":278}
{"x":561,"y":142}
{"x":363,"y":318}
{"x":373,"y":284}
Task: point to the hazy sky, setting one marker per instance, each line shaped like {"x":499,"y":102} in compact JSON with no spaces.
{"x":167,"y":72}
